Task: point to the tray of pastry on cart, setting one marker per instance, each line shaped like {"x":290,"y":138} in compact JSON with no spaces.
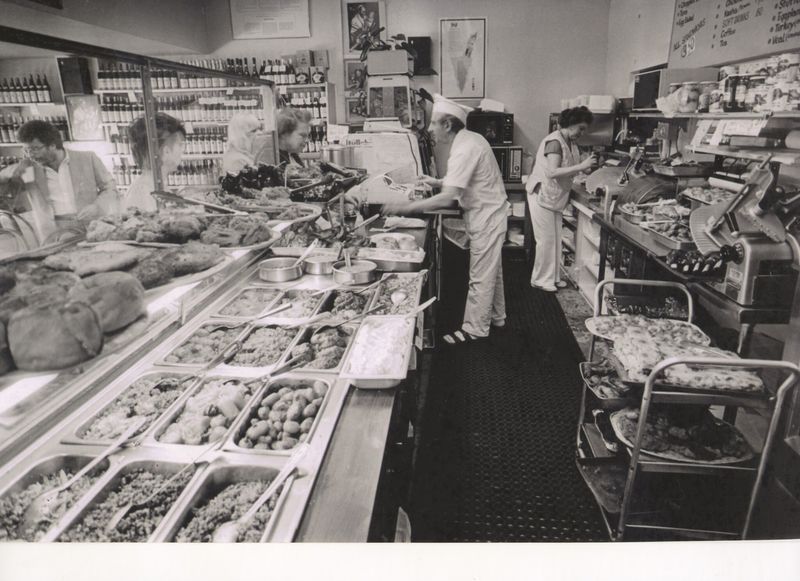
{"x":613,"y":327}
{"x":634,"y":359}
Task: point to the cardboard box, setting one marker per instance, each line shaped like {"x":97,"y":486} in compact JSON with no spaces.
{"x":321,"y":59}
{"x":304,"y":58}
{"x":389,"y":62}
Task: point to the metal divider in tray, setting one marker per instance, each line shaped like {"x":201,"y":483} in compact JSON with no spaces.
{"x":50,"y":467}
{"x":86,"y":521}
{"x":261,"y":431}
{"x":380,"y":353}
{"x":212,"y":483}
{"x":111,"y":419}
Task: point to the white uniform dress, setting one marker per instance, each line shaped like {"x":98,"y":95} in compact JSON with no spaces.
{"x":473,"y":167}
{"x":547,"y":198}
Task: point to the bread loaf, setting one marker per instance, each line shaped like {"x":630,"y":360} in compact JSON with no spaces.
{"x":54,"y":336}
{"x":116,"y":297}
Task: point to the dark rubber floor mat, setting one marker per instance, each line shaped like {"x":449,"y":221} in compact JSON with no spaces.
{"x":496,"y":443}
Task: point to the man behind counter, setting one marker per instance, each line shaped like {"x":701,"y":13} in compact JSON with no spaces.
{"x":66,"y":186}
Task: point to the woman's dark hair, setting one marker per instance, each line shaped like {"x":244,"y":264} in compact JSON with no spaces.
{"x":166,"y":127}
{"x":575,"y":115}
{"x":41,"y":130}
{"x":289,"y":118}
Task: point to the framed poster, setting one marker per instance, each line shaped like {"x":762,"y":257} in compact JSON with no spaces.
{"x":390,"y":97}
{"x":355,"y":108}
{"x":359,"y":19}
{"x":270,"y":19}
{"x":85,"y":122}
{"x":355,"y":77}
{"x":462,"y":53}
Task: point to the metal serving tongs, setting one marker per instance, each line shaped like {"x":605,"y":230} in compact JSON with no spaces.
{"x":229,"y":531}
{"x":170,"y":197}
{"x":40,"y":507}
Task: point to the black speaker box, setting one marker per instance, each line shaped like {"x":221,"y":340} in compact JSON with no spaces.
{"x":75,"y":77}
{"x":422,"y":64}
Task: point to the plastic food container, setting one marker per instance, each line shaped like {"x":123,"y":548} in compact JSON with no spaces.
{"x":279,"y":269}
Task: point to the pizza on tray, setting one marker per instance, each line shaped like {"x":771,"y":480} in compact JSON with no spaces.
{"x":614,"y":327}
{"x":674,"y":434}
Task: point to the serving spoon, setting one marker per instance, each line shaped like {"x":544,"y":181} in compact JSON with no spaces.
{"x":228,"y":532}
{"x":40,"y":507}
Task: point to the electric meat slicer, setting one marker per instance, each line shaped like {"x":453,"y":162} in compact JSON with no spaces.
{"x":751,"y":241}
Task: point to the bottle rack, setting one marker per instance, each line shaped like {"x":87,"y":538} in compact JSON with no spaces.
{"x":635,"y":508}
{"x":27,"y":92}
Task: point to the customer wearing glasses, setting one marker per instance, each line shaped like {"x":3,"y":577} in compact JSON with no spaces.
{"x":57,"y":188}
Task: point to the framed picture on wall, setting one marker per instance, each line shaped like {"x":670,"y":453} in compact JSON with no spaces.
{"x":462,"y":53}
{"x":83,"y":113}
{"x":355,"y":108}
{"x":355,"y":77}
{"x":358,"y":20}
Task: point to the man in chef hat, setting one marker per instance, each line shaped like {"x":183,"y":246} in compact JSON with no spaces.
{"x":474,"y":180}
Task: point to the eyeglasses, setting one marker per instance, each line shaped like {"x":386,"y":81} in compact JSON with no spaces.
{"x":28,"y":149}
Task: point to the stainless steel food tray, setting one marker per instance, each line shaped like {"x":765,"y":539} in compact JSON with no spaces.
{"x":667,"y":241}
{"x":412,"y":300}
{"x":218,"y":312}
{"x":243,"y":422}
{"x":303,"y":338}
{"x":230,"y":367}
{"x":367,"y":380}
{"x":182,"y":336}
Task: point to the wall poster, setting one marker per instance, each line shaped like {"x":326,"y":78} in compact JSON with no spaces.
{"x":462,"y":50}
{"x":270,"y":19}
{"x":85,"y":122}
{"x":360,"y":19}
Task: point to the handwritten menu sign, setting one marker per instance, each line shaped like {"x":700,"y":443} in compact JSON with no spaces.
{"x":713,"y":32}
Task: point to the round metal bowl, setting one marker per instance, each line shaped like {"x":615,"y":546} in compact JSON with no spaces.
{"x":319,"y":264}
{"x":363,"y":272}
{"x":279,"y":269}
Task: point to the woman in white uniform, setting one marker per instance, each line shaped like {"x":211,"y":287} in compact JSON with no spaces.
{"x":558,"y":161}
{"x":474,"y":180}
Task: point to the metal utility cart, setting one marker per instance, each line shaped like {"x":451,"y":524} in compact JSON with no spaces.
{"x":616,"y":478}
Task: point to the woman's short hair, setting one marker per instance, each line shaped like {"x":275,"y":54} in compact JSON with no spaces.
{"x":166,"y":127}
{"x":575,"y":115}
{"x":41,"y":130}
{"x":238,"y":128}
{"x":289,"y":118}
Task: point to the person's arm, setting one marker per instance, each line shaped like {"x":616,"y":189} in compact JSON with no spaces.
{"x":108,"y":199}
{"x":554,"y":170}
{"x":444,"y":199}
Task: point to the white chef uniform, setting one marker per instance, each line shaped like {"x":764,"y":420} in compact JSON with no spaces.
{"x":473,"y":167}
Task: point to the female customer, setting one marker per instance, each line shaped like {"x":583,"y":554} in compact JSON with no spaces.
{"x":171,"y":138}
{"x":294,"y":127}
{"x":558,"y":161}
{"x":245,"y":143}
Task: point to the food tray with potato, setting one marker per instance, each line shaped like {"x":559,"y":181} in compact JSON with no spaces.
{"x":380,"y":353}
{"x":398,"y":293}
{"x":323,"y":351}
{"x":131,"y":482}
{"x":207,"y":412}
{"x":44,"y":476}
{"x":150,"y":395}
{"x":249,"y":302}
{"x":284,"y":414}
{"x":204,"y":344}
{"x":224,"y":493}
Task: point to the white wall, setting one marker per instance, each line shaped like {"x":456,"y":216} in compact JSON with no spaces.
{"x":638,"y":37}
{"x":539,"y":51}
{"x":149,"y":27}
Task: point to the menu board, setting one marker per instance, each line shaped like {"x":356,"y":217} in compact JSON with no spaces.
{"x":713,"y":32}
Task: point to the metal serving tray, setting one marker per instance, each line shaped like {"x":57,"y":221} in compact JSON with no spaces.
{"x":667,"y":241}
{"x":306,"y":333}
{"x":413,"y":299}
{"x":213,"y":482}
{"x":604,"y":401}
{"x":290,"y":295}
{"x":110,"y":482}
{"x":231,"y":367}
{"x":76,"y":437}
{"x":185,"y":334}
{"x":327,"y":305}
{"x":68,"y":462}
{"x":243,"y":422}
{"x":170,"y":417}
{"x":373,"y":381}
{"x":220,"y":312}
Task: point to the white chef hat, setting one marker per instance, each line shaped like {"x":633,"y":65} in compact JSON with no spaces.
{"x":446,"y":106}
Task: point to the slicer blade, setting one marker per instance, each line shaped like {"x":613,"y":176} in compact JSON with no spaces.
{"x":698,"y":225}
{"x":767,"y":223}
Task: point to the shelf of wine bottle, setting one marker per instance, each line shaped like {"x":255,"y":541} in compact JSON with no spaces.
{"x":205,"y":172}
{"x":200,"y":144}
{"x":7,"y":160}
{"x":119,"y":109}
{"x":27,"y":92}
{"x":11,"y":122}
